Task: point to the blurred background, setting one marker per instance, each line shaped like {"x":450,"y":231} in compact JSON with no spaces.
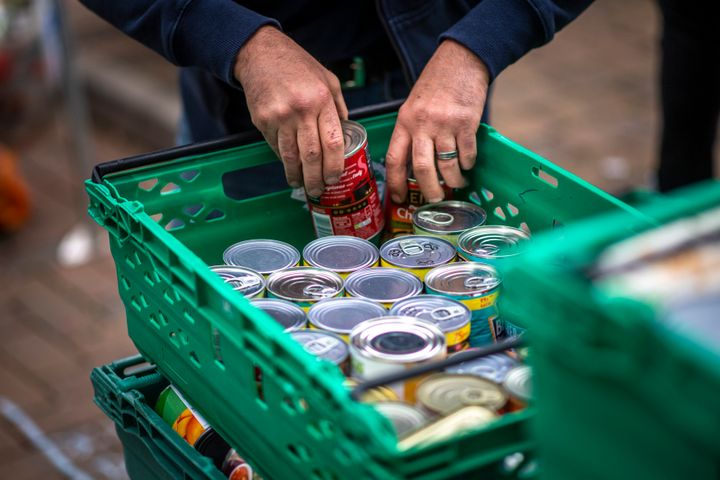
{"x":588,"y":102}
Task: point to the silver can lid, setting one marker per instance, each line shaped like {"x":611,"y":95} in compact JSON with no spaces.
{"x":341,"y":253}
{"x":300,"y":284}
{"x":463,"y":279}
{"x":403,"y":417}
{"x":263,"y":256}
{"x":449,"y":217}
{"x":287,"y":314}
{"x":325,"y":345}
{"x":444,"y":393}
{"x":492,"y":367}
{"x":492,"y":241}
{"x":417,"y":251}
{"x":354,"y":135}
{"x":340,"y":315}
{"x":518,"y":383}
{"x":248,"y":282}
{"x":384,"y":285}
{"x":397,"y":340}
{"x":448,"y":314}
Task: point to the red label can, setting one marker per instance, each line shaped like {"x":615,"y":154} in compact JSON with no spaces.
{"x":399,"y":215}
{"x":352,"y":206}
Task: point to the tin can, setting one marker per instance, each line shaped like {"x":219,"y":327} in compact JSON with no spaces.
{"x":506,"y":328}
{"x":519,"y":387}
{"x":459,"y":421}
{"x":403,"y":417}
{"x":443,"y":393}
{"x":263,"y":256}
{"x":248,"y":282}
{"x":234,"y":467}
{"x":383,"y":285}
{"x":324,"y":345}
{"x":494,"y":244}
{"x":287,"y":314}
{"x":416,"y":254}
{"x":374,"y":395}
{"x":477,"y":286}
{"x":177,"y":412}
{"x":491,"y":367}
{"x":341,"y":254}
{"x":398,"y":216}
{"x":304,"y":286}
{"x":210,"y":444}
{"x":340,"y":315}
{"x":392,"y":344}
{"x":352,"y":206}
{"x":450,"y":316}
{"x":447,"y":220}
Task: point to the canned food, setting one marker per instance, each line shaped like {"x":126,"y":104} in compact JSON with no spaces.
{"x":477,"y":286}
{"x":459,"y":421}
{"x":399,"y":215}
{"x":341,"y":254}
{"x":324,"y":345}
{"x":374,"y":395}
{"x":383,"y":285}
{"x":450,"y":316}
{"x":248,"y":282}
{"x":403,"y":417}
{"x":492,"y":243}
{"x":505,"y":328}
{"x":519,"y":387}
{"x":177,"y":412}
{"x":351,"y":206}
{"x":392,"y":344}
{"x":234,"y":467}
{"x":416,"y":254}
{"x":443,"y":393}
{"x":340,"y":315}
{"x":447,"y":220}
{"x":491,"y":367}
{"x":287,"y":314}
{"x":304,"y":285}
{"x":263,"y":256}
{"x":210,"y":444}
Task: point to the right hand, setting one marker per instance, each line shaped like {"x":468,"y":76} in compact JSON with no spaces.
{"x":297,"y":105}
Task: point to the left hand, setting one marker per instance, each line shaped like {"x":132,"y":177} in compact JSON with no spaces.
{"x":442,"y":114}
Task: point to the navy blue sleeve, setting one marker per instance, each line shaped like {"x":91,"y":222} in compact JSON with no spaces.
{"x":200,"y":33}
{"x":502,"y":31}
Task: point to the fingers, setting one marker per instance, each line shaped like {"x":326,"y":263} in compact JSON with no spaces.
{"x":337,"y":95}
{"x":467,"y":149}
{"x":396,"y":164}
{"x":288,"y":150}
{"x":449,"y":168}
{"x":308,"y":142}
{"x":423,"y":153}
{"x":333,"y":145}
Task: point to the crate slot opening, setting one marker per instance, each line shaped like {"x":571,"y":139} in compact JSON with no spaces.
{"x":499,"y":213}
{"x":189,"y":175}
{"x":148,"y":184}
{"x":259,"y":390}
{"x":193,"y":210}
{"x":170,"y":188}
{"x":175,"y":224}
{"x":299,"y":452}
{"x":543,"y":176}
{"x":215,"y":214}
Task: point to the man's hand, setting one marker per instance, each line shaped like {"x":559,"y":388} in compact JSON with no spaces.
{"x":442,"y":114}
{"x":297,"y":105}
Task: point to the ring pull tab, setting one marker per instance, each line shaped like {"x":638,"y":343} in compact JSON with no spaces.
{"x":442,"y":314}
{"x":411,"y":247}
{"x":478,"y":282}
{"x":242,"y":282}
{"x":440,"y":219}
{"x":321,"y":346}
{"x":316,"y":290}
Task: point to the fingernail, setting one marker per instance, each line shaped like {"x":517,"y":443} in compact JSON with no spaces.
{"x":396,"y":198}
{"x":315,"y":192}
{"x":435,"y":199}
{"x":294,"y":184}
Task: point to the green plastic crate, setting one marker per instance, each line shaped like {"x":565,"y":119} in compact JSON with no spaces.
{"x":618,"y":395}
{"x":168,"y":217}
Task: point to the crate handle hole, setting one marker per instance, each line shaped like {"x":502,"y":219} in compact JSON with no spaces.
{"x":543,"y":176}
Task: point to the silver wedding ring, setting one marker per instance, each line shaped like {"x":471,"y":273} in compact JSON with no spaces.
{"x":451,"y":155}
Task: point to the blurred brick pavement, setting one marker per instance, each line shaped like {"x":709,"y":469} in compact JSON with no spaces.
{"x":586,"y":102}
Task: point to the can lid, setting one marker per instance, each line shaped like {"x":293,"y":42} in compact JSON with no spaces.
{"x":398,"y":340}
{"x":304,"y":284}
{"x":287,"y":314}
{"x":325,"y":345}
{"x":341,"y":253}
{"x":354,"y":135}
{"x":403,"y":417}
{"x":447,"y":314}
{"x":518,"y":383}
{"x":451,"y":425}
{"x":462,"y":279}
{"x":492,"y":367}
{"x":492,"y":241}
{"x":443,"y":393}
{"x":449,"y":217}
{"x":417,"y":251}
{"x":243,"y":280}
{"x":341,"y":314}
{"x":384,"y":285}
{"x":263,"y":256}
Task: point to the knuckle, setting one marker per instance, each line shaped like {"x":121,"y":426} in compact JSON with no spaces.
{"x":335,"y":141}
{"x":312,"y":156}
{"x":423,"y":169}
{"x":392,"y":160}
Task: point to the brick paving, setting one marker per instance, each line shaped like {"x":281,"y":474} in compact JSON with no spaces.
{"x":587,"y":102}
